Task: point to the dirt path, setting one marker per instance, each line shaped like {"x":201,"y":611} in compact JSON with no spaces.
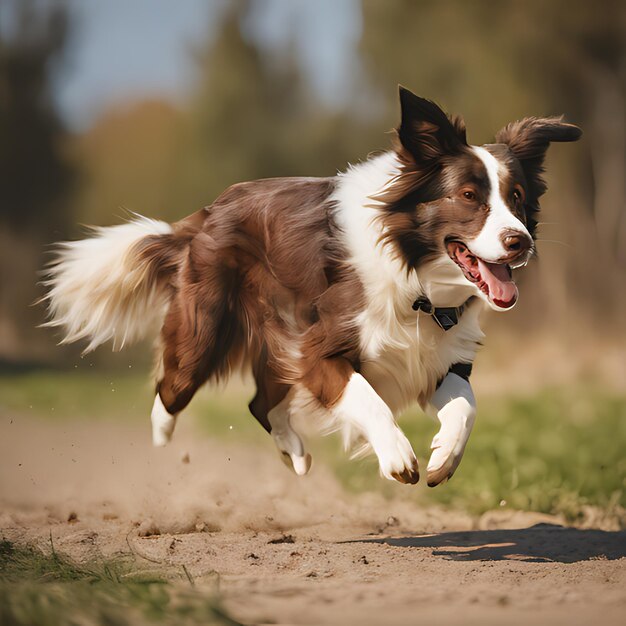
{"x":285,"y":550}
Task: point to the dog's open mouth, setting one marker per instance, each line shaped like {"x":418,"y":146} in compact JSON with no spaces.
{"x":493,"y":279}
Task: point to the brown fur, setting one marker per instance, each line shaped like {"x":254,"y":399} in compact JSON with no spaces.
{"x":263,"y":272}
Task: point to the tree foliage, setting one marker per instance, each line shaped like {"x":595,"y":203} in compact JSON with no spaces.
{"x":253,"y":115}
{"x":35,"y":174}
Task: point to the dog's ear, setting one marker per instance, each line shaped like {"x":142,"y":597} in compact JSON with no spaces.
{"x":528,"y":140}
{"x":426,"y":132}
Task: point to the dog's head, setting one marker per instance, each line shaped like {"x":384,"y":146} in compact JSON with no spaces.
{"x":477,"y":205}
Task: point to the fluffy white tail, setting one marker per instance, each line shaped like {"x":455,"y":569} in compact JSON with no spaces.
{"x":107,"y":286}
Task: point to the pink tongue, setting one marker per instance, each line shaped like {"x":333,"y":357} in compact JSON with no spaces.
{"x":502,"y":290}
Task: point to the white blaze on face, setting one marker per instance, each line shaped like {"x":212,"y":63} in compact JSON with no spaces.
{"x":488,"y":244}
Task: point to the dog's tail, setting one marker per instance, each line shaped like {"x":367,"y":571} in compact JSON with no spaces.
{"x":115,"y":284}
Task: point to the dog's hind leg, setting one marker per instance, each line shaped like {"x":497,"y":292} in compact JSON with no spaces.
{"x":201,"y":337}
{"x":163,"y":423}
{"x":184,"y":370}
{"x":270,"y":406}
{"x":288,"y":442}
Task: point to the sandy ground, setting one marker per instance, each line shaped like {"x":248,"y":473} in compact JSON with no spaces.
{"x":286,"y":550}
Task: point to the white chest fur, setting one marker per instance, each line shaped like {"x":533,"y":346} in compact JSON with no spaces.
{"x":404,"y":368}
{"x":403,"y":358}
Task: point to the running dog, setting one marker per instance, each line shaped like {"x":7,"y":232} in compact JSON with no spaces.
{"x":348,"y":298}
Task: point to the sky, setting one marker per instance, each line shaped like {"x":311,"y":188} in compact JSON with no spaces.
{"x":129,"y":49}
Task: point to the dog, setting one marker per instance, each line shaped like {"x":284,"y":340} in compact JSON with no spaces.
{"x":348,"y":298}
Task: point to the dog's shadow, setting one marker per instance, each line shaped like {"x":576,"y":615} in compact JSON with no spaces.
{"x":539,"y":543}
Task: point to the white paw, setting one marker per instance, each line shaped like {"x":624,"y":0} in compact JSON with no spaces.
{"x":299,"y":464}
{"x":287,"y":440}
{"x":292,"y":450}
{"x":396,"y":457}
{"x":441,"y":466}
{"x":456,"y":413}
{"x":447,"y":448}
{"x":163,"y":423}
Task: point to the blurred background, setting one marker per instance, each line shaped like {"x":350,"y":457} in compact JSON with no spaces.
{"x":156,"y":107}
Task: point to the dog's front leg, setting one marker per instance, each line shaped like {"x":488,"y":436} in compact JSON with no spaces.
{"x":455,"y":407}
{"x":362,"y":408}
{"x":356,"y":409}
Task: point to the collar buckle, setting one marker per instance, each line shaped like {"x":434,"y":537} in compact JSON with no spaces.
{"x":445,"y":317}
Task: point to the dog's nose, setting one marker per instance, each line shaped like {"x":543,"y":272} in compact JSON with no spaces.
{"x":516,"y":243}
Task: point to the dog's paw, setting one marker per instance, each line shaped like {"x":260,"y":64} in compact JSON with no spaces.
{"x":444,"y":460}
{"x":448,"y":445}
{"x":437,"y":472}
{"x":163,"y":423}
{"x":397,"y":460}
{"x":299,"y":464}
{"x":292,"y":450}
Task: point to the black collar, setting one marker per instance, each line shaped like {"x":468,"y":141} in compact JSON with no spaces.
{"x":446,"y":317}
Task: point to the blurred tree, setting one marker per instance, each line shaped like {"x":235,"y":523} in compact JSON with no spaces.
{"x":253,"y":115}
{"x":35,"y":175}
{"x":128,"y":163}
{"x":446,"y":50}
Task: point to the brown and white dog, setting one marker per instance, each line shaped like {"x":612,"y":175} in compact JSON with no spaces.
{"x":312,"y":284}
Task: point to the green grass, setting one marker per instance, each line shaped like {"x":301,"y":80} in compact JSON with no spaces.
{"x":82,"y":392}
{"x":47,"y":589}
{"x":554,"y":451}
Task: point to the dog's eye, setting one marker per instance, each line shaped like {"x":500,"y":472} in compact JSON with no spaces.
{"x":517,"y":195}
{"x":469,"y":195}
